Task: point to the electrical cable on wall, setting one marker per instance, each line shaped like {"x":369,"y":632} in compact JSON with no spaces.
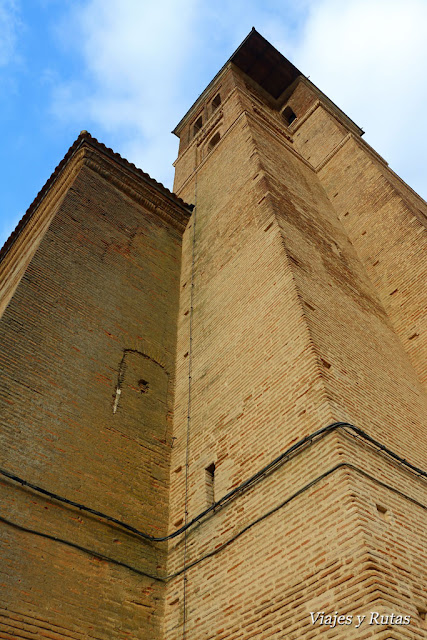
{"x":250,"y":482}
{"x":218,"y":549}
{"x":241,"y":488}
{"x":187,"y":450}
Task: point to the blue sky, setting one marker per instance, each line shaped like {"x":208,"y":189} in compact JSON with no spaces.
{"x":128,"y":70}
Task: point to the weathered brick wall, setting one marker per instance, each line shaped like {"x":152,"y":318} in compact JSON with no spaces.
{"x":268,"y":326}
{"x":288,"y":334}
{"x":87,"y":372}
{"x":384,"y":219}
{"x":386,"y":223}
{"x":340,"y":300}
{"x":318,"y":136}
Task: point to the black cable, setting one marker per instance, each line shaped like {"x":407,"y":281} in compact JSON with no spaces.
{"x":287,"y":501}
{"x":225,"y":544}
{"x":90,"y":552}
{"x":320,"y":433}
{"x":190,"y":371}
{"x":82,"y":507}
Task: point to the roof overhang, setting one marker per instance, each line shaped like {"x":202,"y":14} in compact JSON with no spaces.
{"x":259,"y":60}
{"x":264,"y":64}
{"x":270,"y":70}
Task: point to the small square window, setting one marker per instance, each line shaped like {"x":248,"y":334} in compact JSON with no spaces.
{"x":288,"y":116}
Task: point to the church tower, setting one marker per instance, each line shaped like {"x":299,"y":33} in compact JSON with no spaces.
{"x":213,"y":417}
{"x":302,"y":299}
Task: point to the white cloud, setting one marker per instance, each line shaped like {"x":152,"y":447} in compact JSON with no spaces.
{"x":134,"y":55}
{"x":143,"y":64}
{"x":8,"y":26}
{"x":369,"y":57}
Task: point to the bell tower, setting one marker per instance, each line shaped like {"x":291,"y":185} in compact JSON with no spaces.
{"x":212,"y":411}
{"x":288,"y":325}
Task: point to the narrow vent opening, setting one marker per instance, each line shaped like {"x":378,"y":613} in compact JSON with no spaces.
{"x":210,"y":484}
{"x":325,"y":363}
{"x":382,"y":512}
{"x":143,"y":386}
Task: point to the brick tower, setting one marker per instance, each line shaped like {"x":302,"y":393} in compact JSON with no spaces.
{"x":238,"y":382}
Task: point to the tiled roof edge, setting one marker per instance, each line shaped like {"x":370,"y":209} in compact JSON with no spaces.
{"x":85,"y":138}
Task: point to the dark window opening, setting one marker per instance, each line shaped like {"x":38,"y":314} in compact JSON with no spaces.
{"x":210,"y":481}
{"x":216,"y":102}
{"x":288,"y":116}
{"x":197,"y":125}
{"x":143,"y":386}
{"x":214,"y":141}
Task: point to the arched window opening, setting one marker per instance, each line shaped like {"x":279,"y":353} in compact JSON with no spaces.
{"x":197,"y":125}
{"x":216,"y":102}
{"x":288,"y":116}
{"x":214,"y":141}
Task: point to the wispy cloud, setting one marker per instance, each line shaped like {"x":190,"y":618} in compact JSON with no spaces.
{"x":143,"y":64}
{"x":369,"y":57}
{"x":9,"y":21}
{"x":134,"y":56}
{"x":128,"y":70}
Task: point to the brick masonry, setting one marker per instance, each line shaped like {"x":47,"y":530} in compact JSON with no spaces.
{"x":149,"y":370}
{"x":87,"y":360}
{"x":289,"y":332}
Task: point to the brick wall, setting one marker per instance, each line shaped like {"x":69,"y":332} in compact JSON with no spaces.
{"x":148,"y":370}
{"x":386,"y":223}
{"x":383,"y":218}
{"x":288,"y":334}
{"x":87,"y":373}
